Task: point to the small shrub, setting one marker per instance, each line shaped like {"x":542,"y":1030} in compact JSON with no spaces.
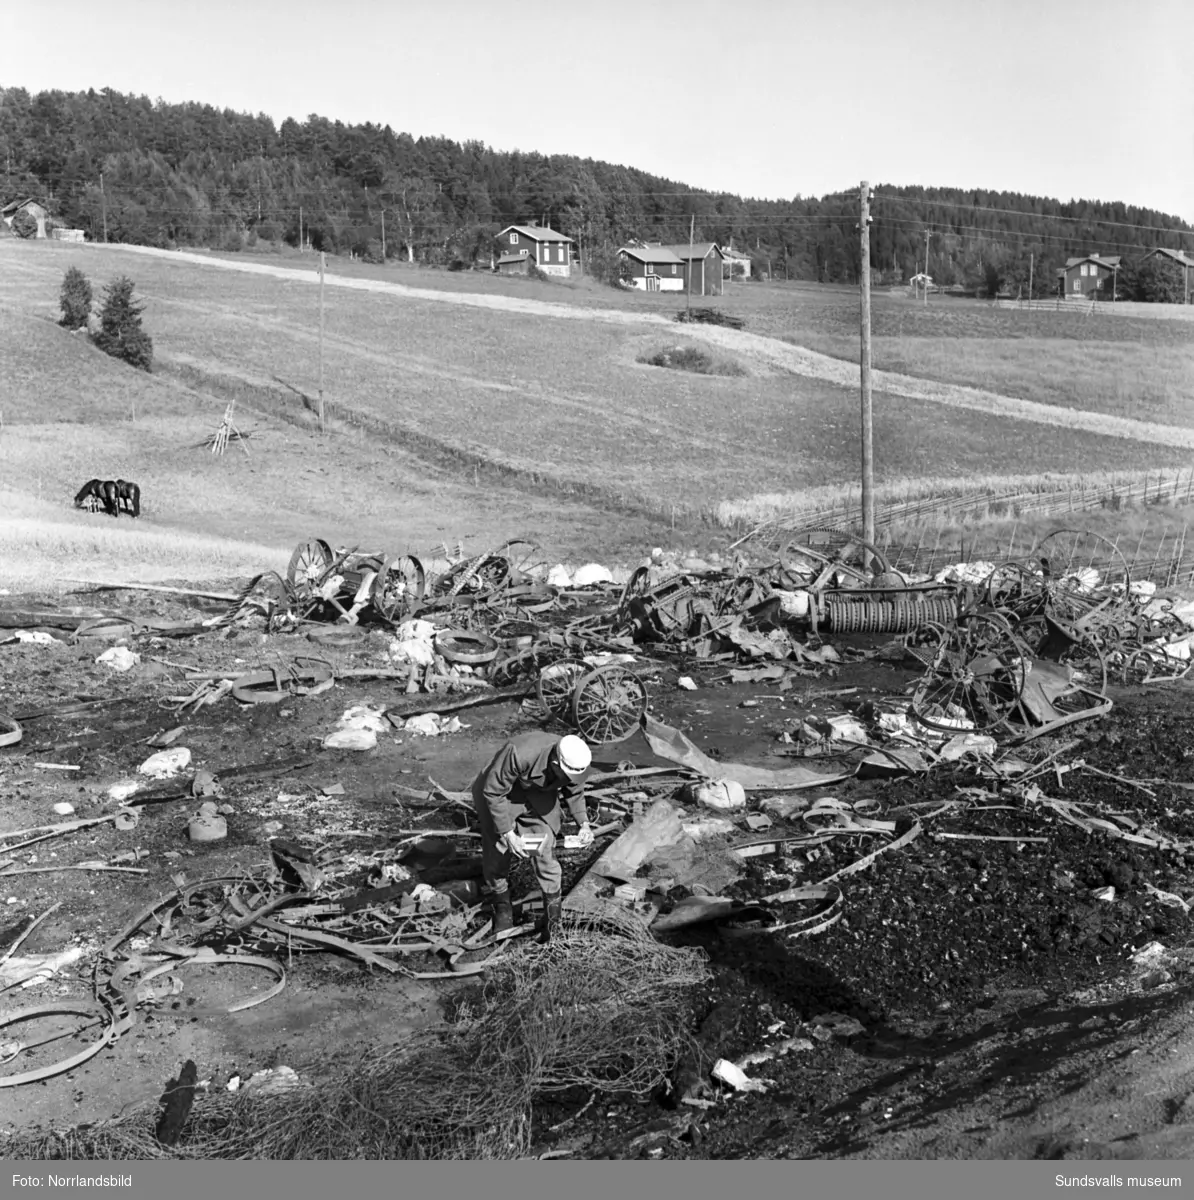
{"x":120,"y":333}
{"x":458,"y":264}
{"x":24,"y":224}
{"x":691,"y":358}
{"x":75,"y":299}
{"x":534,"y":272}
{"x":709,"y":316}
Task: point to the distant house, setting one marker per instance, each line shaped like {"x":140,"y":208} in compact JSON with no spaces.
{"x":551,"y":252}
{"x":735,"y":258}
{"x":1082,"y":278}
{"x":1184,"y":261}
{"x":67,"y":235}
{"x":35,"y":210}
{"x":656,"y":267}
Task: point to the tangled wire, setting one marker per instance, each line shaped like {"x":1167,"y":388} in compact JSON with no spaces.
{"x":603,"y":1008}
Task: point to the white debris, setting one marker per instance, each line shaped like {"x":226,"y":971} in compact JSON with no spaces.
{"x":36,"y":637}
{"x":590,"y":574}
{"x":165,"y":763}
{"x":558,"y":577}
{"x":119,"y":658}
{"x":270,"y":1082}
{"x":968,"y":743}
{"x":432,"y":725}
{"x":703,"y":827}
{"x":731,"y":1074}
{"x":846,"y":728}
{"x":123,"y":790}
{"x":350,"y":739}
{"x":413,"y":642}
{"x":687,"y":683}
{"x":63,"y":809}
{"x":1184,"y":612}
{"x":967,"y":572}
{"x":1142,"y":589}
{"x":357,"y":728}
{"x":793,"y":604}
{"x":723,"y":795}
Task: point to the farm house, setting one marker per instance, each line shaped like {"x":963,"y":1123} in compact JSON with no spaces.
{"x":654,"y":268}
{"x":522,"y":245}
{"x":1082,"y":278}
{"x":36,"y":211}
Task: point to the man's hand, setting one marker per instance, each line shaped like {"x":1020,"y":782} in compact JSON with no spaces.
{"x":514,"y":844}
{"x":586,"y":835}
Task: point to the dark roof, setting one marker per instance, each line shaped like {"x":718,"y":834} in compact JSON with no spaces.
{"x":19,"y":204}
{"x":1109,"y":261}
{"x":697,"y":250}
{"x":651,"y":254}
{"x":537,"y":233}
{"x":1176,"y":255}
{"x":513,"y":258}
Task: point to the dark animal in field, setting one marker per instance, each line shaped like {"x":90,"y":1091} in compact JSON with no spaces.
{"x":128,"y":496}
{"x":96,"y":492}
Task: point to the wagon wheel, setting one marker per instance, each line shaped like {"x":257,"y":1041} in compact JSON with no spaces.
{"x":524,"y":664}
{"x":308,"y":567}
{"x":557,"y":682}
{"x":637,"y":586}
{"x":815,"y":566}
{"x":1013,"y":586}
{"x":975,"y":678}
{"x":1086,"y":578}
{"x":398,"y":586}
{"x":485,"y":573}
{"x":607,"y":704}
{"x":518,"y":552}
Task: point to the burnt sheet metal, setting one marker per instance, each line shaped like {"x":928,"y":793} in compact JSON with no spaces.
{"x":671,"y":744}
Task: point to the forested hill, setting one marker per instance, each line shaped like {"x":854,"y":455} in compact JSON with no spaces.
{"x":189,"y":174}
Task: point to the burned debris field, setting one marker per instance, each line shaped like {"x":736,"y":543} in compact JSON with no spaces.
{"x":886,"y":866}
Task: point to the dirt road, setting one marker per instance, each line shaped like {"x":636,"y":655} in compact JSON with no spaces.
{"x":777,"y":354}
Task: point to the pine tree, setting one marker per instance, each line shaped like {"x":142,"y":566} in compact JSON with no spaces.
{"x":120,"y":333}
{"x":75,"y":299}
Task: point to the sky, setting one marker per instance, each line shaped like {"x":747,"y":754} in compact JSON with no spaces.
{"x":1071,"y":99}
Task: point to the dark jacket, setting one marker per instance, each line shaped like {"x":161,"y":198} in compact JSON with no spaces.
{"x":519,"y":773}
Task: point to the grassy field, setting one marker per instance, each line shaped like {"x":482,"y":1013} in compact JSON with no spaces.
{"x":486,"y":423}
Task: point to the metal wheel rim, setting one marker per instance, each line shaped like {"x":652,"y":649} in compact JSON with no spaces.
{"x":300,"y":573}
{"x":607,"y":705}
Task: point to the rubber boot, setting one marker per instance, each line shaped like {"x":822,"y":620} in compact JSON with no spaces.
{"x":503,"y":913}
{"x":553,"y":908}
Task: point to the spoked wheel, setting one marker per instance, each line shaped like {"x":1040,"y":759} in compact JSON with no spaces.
{"x":825,"y":557}
{"x":1013,"y":587}
{"x":557,"y":682}
{"x":974,"y":679}
{"x":485,"y":573}
{"x":398,"y":586}
{"x":524,"y":664}
{"x":637,"y":586}
{"x":607,"y":705}
{"x":1085,"y":577}
{"x":309,"y":565}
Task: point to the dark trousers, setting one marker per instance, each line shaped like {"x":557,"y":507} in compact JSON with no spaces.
{"x":496,"y":859}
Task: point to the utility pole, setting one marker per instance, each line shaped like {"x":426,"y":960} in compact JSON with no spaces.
{"x":321,"y":265}
{"x":1032,"y":256}
{"x":691,"y":227}
{"x":104,"y":205}
{"x":383,"y":236}
{"x":300,"y":229}
{"x":1114,"y":281}
{"x":868,"y":465}
{"x":926,"y":268}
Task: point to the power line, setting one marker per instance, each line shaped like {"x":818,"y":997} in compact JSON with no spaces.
{"x":1020,"y":212}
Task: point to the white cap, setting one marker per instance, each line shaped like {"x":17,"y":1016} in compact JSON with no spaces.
{"x":575,"y":755}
